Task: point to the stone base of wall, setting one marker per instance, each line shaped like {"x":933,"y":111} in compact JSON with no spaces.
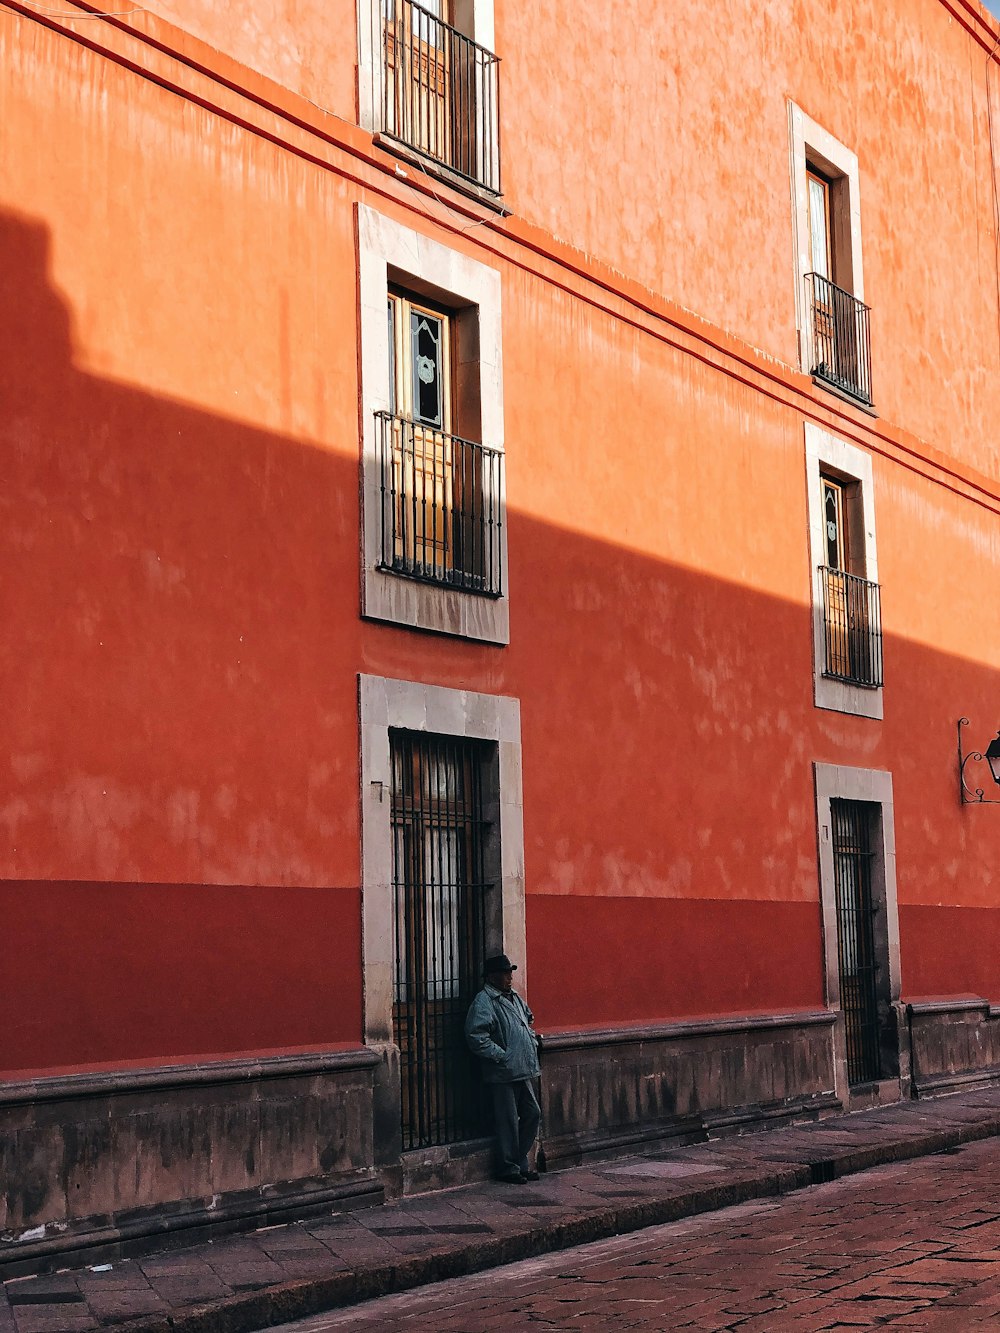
{"x":441,"y":1168}
{"x":631,"y":1089}
{"x":954,"y":1044}
{"x":99,"y":1166}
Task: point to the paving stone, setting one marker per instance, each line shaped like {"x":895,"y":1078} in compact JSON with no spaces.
{"x":190,"y":1289}
{"x":50,"y":1319}
{"x":37,"y":1290}
{"x":121,"y":1304}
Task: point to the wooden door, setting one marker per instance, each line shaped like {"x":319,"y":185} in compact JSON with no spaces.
{"x":836,"y":614}
{"x":821,"y":263}
{"x":422,"y":455}
{"x":417,"y":74}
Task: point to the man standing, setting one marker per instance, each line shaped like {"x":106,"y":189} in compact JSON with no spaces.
{"x":498,"y":1030}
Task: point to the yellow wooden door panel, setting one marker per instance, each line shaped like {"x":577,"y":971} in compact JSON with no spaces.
{"x":418,"y":78}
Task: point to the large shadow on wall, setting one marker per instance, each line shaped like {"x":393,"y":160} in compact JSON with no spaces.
{"x":164,"y":656}
{"x":181,"y":640}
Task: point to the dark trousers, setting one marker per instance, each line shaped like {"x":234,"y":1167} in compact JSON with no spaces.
{"x":515,"y":1114}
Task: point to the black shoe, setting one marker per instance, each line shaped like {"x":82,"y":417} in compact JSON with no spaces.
{"x":530,"y":1175}
{"x":511,"y":1177}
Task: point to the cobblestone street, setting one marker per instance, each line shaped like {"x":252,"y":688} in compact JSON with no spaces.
{"x":913,"y":1245}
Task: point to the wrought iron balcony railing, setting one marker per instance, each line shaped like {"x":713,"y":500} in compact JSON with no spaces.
{"x":440,"y":93}
{"x":441,"y":516}
{"x":839,"y":340}
{"x":852,"y":625}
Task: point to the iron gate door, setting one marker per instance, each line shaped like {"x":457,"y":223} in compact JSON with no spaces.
{"x":439,"y":889}
{"x":853,"y":856}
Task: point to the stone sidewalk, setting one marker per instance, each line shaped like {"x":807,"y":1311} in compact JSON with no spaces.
{"x":280,"y":1273}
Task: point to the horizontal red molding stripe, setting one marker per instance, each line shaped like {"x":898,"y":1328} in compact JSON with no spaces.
{"x":949,"y":950}
{"x":626,"y":960}
{"x":168,"y":972}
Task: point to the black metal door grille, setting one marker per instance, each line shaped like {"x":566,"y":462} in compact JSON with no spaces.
{"x":439,"y":893}
{"x":853,"y":822}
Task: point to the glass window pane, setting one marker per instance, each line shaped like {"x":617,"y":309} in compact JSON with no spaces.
{"x":442,"y":874}
{"x":819,"y":240}
{"x":832,"y":526}
{"x":428,"y":388}
{"x":392,"y":355}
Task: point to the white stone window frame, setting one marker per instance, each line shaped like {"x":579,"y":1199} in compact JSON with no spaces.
{"x":472,"y":18}
{"x":389,"y":252}
{"x":826,"y":453}
{"x":812,"y":146}
{"x":385,"y":703}
{"x":839,"y":782}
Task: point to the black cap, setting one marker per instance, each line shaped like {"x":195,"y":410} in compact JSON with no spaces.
{"x":498,"y":963}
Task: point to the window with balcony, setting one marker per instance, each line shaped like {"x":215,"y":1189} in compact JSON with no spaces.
{"x":852,"y":622}
{"x":434,"y":528}
{"x":440,"y":492}
{"x":434,"y":84}
{"x":847,"y":611}
{"x":834,"y":321}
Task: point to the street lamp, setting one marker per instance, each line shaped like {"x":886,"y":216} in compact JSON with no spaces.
{"x":975,"y":795}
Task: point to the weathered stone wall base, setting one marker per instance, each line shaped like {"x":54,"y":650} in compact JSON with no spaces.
{"x":107,"y":1165}
{"x":954,"y":1044}
{"x":630,"y":1089}
{"x":442,"y":1168}
{"x":103,"y":1165}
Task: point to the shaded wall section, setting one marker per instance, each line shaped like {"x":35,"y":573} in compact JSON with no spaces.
{"x":631,"y":960}
{"x":105,"y":974}
{"x":179,"y":543}
{"x":670,"y":873}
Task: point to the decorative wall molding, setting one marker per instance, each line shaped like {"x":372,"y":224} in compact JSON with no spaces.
{"x":198,"y":1074}
{"x":682,"y":1029}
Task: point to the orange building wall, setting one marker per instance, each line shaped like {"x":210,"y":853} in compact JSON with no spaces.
{"x":179,"y":859}
{"x":684,"y":109}
{"x":307,"y":46}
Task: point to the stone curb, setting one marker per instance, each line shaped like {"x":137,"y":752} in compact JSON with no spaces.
{"x":297,"y":1300}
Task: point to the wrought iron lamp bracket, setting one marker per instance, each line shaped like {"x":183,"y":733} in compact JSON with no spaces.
{"x":970,"y":795}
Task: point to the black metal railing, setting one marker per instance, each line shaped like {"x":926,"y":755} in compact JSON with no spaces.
{"x":440,"y":889}
{"x":440,"y":505}
{"x":440,"y":93}
{"x":839,"y":337}
{"x":852,"y":628}
{"x":853,"y":856}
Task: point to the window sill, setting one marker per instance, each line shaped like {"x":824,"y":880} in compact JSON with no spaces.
{"x":850,"y":684}
{"x":435,"y":170}
{"x":844,"y":396}
{"x":441,"y":608}
{"x":837,"y":696}
{"x":458,"y":582}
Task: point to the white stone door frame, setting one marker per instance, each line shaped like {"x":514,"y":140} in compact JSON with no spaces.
{"x":385,"y":703}
{"x":839,"y":782}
